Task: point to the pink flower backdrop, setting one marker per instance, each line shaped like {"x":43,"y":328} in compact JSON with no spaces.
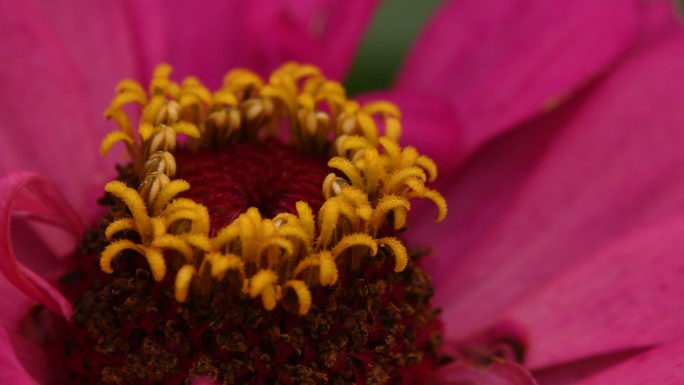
{"x":557,"y":128}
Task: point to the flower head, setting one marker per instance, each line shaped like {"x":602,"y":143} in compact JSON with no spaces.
{"x":558,"y":133}
{"x":212,"y":241}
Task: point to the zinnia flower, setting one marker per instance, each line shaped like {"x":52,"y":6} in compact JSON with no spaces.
{"x":555,"y":128}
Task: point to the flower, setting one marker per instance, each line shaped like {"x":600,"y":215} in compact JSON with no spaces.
{"x":562,"y":224}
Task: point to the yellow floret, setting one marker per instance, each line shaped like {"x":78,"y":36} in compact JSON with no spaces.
{"x":276,"y":259}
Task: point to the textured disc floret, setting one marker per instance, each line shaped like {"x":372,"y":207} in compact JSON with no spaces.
{"x":365,"y":195}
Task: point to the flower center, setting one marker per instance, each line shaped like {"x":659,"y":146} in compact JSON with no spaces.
{"x":231,"y":255}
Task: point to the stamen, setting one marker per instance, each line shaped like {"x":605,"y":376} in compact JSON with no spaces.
{"x":279,"y":259}
{"x":159,"y":162}
{"x":152,"y":186}
{"x":169,"y":114}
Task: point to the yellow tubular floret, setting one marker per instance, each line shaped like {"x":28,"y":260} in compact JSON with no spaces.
{"x":220,"y":264}
{"x":186,"y":128}
{"x":348,"y":168}
{"x":118,"y":226}
{"x":240,"y":79}
{"x":392,"y":150}
{"x":153,"y":108}
{"x":393,"y":128}
{"x":183,"y":280}
{"x":264,"y":284}
{"x":112,"y":138}
{"x":346,"y":143}
{"x":303,"y":295}
{"x":155,"y":259}
{"x":329,"y":216}
{"x":421,"y":191}
{"x":175,"y":243}
{"x":199,"y":242}
{"x":169,"y":192}
{"x":126,"y":97}
{"x":390,"y":204}
{"x":399,"y":177}
{"x":306,"y":218}
{"x":318,"y":268}
{"x":429,"y":166}
{"x":371,"y":170}
{"x":280,"y":259}
{"x":398,"y":251}
{"x":382,"y":107}
{"x":112,"y":250}
{"x":351,"y":240}
{"x":129,"y":85}
{"x":133,"y":201}
{"x":368,"y":127}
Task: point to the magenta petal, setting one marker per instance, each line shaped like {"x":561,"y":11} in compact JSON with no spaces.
{"x":627,"y":296}
{"x":11,"y":369}
{"x":31,"y":356}
{"x":614,"y":165}
{"x":200,"y":39}
{"x":500,"y":63}
{"x":13,"y":302}
{"x":661,"y":366}
{"x":499,"y":373}
{"x":32,"y":195}
{"x":322,"y":32}
{"x":210,"y":38}
{"x":60,"y":64}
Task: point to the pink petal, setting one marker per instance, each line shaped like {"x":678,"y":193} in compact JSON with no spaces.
{"x":625,"y":297}
{"x":614,"y":164}
{"x":11,"y":369}
{"x":203,"y":40}
{"x":211,"y":38}
{"x":32,"y":195}
{"x":499,"y":373}
{"x":662,"y":366}
{"x":13,"y":302}
{"x":501,"y":63}
{"x":60,"y":63}
{"x":31,"y":356}
{"x":322,"y":32}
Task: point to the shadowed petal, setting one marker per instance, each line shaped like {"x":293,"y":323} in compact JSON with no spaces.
{"x":322,"y":32}
{"x":199,"y":39}
{"x":11,"y":370}
{"x":627,"y":296}
{"x":13,"y":302}
{"x":662,"y":366}
{"x":208,"y":39}
{"x":31,"y":195}
{"x":614,"y":165}
{"x":573,"y":372}
{"x":500,"y":63}
{"x":60,"y":63}
{"x":499,"y":373}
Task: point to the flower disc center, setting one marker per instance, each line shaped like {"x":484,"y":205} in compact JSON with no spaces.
{"x":270,"y":176}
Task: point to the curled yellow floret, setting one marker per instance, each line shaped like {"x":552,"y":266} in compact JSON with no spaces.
{"x":280,"y":259}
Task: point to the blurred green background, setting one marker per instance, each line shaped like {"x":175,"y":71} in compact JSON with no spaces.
{"x":388,"y":39}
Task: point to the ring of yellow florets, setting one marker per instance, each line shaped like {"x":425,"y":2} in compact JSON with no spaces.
{"x":267,"y":257}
